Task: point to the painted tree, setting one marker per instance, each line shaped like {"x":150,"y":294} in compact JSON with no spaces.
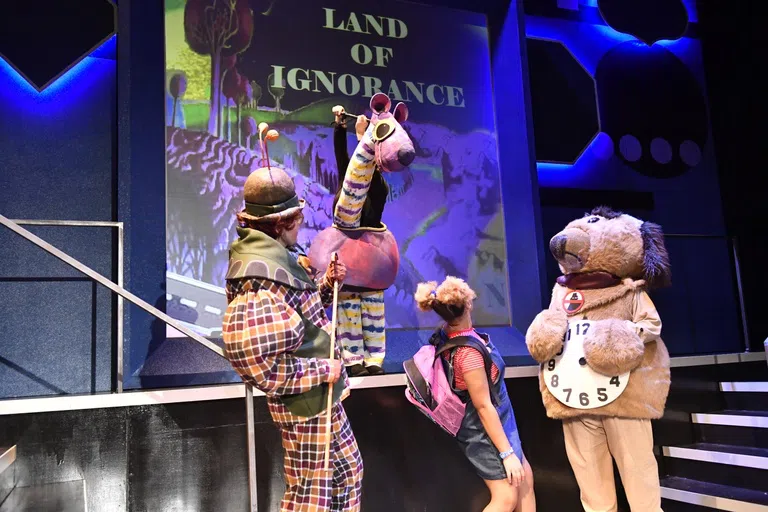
{"x":177,"y":86}
{"x":248,"y":127}
{"x":276,"y":92}
{"x":256,"y":88}
{"x":217,"y":28}
{"x":242,"y":98}
{"x":227,"y":68}
{"x":229,"y":89}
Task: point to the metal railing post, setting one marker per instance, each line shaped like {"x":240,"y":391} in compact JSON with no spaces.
{"x":742,"y":307}
{"x":249,"y":418}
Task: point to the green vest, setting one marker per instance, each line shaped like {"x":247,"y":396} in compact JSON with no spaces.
{"x":256,"y":255}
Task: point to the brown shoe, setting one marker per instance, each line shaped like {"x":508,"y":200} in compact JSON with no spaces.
{"x":375,"y":370}
{"x":357,"y":370}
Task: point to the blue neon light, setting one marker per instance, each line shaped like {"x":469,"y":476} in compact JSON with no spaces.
{"x":74,"y":84}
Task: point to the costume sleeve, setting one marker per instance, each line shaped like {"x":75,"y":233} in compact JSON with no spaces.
{"x":326,"y":291}
{"x":259,"y":328}
{"x":645,"y":317}
{"x":340,"y":150}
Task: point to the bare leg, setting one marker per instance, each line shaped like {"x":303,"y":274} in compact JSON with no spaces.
{"x":527,"y":498}
{"x":503,"y":496}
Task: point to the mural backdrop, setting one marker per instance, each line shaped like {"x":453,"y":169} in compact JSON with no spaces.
{"x":232,"y":64}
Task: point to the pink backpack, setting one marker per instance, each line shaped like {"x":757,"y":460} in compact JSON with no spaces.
{"x":428,"y":387}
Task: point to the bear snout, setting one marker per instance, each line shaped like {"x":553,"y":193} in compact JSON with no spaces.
{"x":557,"y":246}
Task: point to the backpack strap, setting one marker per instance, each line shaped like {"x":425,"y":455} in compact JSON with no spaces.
{"x":471,"y":341}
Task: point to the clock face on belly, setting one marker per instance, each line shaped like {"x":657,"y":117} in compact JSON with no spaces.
{"x":572,"y":381}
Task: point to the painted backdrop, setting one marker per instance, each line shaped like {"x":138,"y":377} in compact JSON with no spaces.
{"x":232,"y":64}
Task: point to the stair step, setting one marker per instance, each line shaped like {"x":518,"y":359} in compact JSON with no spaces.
{"x":743,"y":456}
{"x":7,"y":473}
{"x":7,"y":457}
{"x":738,"y":466}
{"x":718,"y":497}
{"x":751,"y":396}
{"x":733,"y":418}
{"x":58,"y":497}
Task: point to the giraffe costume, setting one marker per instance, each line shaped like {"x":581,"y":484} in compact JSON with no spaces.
{"x":370,"y":253}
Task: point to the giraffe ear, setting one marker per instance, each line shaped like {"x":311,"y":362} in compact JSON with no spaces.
{"x":380,"y":103}
{"x":401,"y":113}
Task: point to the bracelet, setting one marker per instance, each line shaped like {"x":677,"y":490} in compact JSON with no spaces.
{"x":506,"y":454}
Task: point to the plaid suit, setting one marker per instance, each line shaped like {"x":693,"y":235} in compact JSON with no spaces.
{"x":261,"y":329}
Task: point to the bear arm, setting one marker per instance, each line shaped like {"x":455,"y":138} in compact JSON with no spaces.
{"x":546,"y":333}
{"x":613,"y":347}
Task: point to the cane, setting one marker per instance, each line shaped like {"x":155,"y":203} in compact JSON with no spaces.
{"x":329,"y":405}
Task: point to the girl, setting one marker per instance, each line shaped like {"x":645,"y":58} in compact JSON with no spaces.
{"x":488,"y":433}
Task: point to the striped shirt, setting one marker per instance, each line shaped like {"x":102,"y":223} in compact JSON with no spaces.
{"x":466,"y":359}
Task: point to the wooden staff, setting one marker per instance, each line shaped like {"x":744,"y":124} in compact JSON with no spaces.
{"x":329,"y":405}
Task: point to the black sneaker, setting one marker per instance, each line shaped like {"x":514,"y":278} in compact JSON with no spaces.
{"x":357,"y":370}
{"x":375,"y":370}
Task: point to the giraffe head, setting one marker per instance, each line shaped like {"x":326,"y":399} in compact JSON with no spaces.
{"x":393,"y":148}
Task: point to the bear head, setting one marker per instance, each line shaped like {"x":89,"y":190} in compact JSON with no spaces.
{"x":619,"y":244}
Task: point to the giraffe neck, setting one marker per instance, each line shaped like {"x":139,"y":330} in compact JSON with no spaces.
{"x":357,"y":181}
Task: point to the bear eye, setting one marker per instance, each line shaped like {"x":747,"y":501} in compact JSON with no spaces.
{"x":592,"y":220}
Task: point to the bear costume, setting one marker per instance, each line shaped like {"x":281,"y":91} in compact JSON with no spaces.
{"x":609,"y":260}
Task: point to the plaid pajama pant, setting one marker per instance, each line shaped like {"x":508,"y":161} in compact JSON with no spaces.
{"x":308,"y":487}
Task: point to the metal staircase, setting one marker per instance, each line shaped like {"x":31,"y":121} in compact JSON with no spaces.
{"x":727,"y":467}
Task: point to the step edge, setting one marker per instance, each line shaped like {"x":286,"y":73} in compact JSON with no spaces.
{"x":729,"y":420}
{"x":709,"y":500}
{"x":716,"y":457}
{"x":744,"y":387}
{"x":7,"y":457}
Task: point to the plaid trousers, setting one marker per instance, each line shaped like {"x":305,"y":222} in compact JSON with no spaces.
{"x":308,"y":487}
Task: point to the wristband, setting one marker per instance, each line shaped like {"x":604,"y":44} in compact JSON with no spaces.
{"x":506,"y":454}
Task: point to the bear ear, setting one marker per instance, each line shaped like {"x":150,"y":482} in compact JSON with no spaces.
{"x":380,"y":103}
{"x":656,"y":269}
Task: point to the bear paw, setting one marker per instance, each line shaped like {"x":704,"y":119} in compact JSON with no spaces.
{"x":546,"y":334}
{"x":612,"y":347}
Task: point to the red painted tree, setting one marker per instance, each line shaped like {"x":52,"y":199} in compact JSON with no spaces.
{"x":218,"y":28}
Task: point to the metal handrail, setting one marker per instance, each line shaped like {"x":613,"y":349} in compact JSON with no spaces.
{"x":80,"y":267}
{"x":120,"y":257}
{"x":122,"y":292}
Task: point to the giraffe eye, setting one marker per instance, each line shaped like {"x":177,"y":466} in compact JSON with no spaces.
{"x":592,"y":220}
{"x":384,"y":129}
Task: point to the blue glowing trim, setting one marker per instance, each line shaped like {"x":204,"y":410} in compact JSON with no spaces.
{"x":586,"y":155}
{"x":64,"y":81}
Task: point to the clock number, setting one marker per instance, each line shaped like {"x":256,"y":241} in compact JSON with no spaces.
{"x":584,"y":399}
{"x":615,"y":381}
{"x":555,"y":381}
{"x":586,"y":328}
{"x":551,"y":364}
{"x":568,"y":396}
{"x":562,"y":349}
{"x":601,"y":394}
{"x":568,"y":335}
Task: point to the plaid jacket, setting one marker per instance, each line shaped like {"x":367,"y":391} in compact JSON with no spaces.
{"x":262,"y":328}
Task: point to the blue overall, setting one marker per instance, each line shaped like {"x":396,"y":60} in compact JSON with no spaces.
{"x":477,"y":446}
